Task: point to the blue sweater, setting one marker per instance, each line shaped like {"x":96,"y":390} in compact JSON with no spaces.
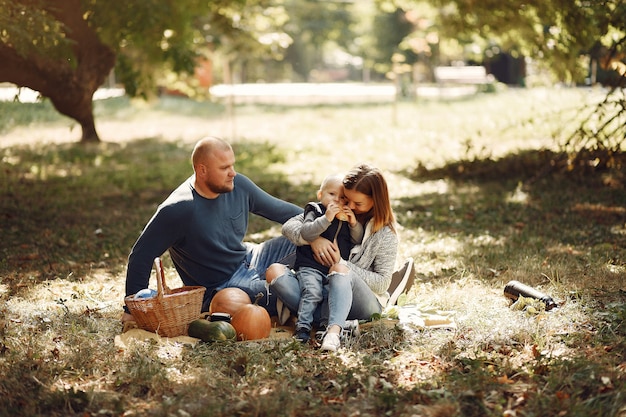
{"x":204,"y":236}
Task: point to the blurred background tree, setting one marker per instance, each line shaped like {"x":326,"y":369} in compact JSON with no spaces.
{"x":66,"y":49}
{"x":572,"y":42}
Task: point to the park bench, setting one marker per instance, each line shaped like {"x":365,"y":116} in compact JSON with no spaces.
{"x":463,"y":75}
{"x":454,"y":82}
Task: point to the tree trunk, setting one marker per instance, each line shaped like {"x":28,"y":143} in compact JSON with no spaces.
{"x":68,"y":81}
{"x":77,"y":103}
{"x":89,"y":132}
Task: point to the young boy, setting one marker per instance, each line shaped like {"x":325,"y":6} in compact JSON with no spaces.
{"x":330,"y":218}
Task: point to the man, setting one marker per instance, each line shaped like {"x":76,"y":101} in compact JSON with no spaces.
{"x":203,"y":224}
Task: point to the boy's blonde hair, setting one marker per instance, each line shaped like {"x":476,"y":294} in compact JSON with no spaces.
{"x":332,"y":178}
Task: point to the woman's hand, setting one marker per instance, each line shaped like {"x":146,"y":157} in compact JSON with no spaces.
{"x":340,"y":268}
{"x":325,"y":252}
{"x":348,"y":215}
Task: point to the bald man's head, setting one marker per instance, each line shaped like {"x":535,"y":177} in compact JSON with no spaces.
{"x":213,"y":162}
{"x":207,"y":147}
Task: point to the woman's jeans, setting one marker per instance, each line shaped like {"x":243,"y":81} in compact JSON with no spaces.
{"x":348,"y":297}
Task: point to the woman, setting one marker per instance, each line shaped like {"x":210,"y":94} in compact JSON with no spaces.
{"x":357,"y":286}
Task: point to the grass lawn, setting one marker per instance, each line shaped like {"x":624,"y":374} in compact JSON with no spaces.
{"x":480,"y":200}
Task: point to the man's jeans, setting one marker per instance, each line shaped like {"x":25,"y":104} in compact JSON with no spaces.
{"x":250,"y":276}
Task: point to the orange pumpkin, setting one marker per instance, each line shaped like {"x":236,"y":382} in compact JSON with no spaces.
{"x":229,"y":300}
{"x":252,"y":322}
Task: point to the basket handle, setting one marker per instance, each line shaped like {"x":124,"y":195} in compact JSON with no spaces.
{"x":162,"y":288}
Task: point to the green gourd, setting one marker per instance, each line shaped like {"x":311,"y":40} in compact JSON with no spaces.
{"x":212,"y":331}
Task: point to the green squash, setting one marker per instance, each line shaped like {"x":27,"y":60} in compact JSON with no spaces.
{"x":212,"y":331}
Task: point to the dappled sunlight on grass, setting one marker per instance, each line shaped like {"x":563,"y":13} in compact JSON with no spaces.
{"x":170,"y":353}
{"x":97,"y":292}
{"x":434,"y":252}
{"x":70,"y":214}
{"x":513,"y":344}
{"x":618,"y":270}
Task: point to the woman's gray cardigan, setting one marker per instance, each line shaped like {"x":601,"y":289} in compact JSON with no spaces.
{"x":373,"y":260}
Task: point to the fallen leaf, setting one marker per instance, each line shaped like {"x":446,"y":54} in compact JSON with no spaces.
{"x":536,"y":352}
{"x":504,"y":380}
{"x":562,"y":395}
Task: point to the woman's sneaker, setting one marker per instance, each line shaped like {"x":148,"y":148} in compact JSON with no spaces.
{"x":401,"y":281}
{"x":331,"y":342}
{"x":320,"y":333}
{"x":351,"y":329}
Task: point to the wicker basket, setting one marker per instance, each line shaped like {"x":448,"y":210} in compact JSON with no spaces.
{"x":170,"y":311}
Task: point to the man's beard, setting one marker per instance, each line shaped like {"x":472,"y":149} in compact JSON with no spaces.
{"x":220,"y":189}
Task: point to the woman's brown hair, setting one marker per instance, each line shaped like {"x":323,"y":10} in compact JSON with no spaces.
{"x":369,"y":180}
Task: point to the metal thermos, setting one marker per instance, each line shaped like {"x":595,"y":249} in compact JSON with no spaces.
{"x":220,"y":317}
{"x":514,"y":289}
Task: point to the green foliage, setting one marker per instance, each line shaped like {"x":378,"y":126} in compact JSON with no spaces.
{"x":314,"y":27}
{"x":555,"y":34}
{"x":30,"y":29}
{"x":602,"y":131}
{"x":149,"y":38}
{"x":390,"y":30}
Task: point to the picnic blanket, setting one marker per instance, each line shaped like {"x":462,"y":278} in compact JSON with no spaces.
{"x":124,"y":340}
{"x":421,"y":316}
{"x":131,"y":333}
{"x":413,"y":316}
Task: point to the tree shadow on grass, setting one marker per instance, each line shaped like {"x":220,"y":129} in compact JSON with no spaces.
{"x":66,"y":209}
{"x":527,"y":213}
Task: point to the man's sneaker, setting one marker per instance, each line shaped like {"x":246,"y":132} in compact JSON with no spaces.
{"x":331,"y":342}
{"x":302,"y":335}
{"x":351,"y":329}
{"x":283,"y":312}
{"x":401,"y":281}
